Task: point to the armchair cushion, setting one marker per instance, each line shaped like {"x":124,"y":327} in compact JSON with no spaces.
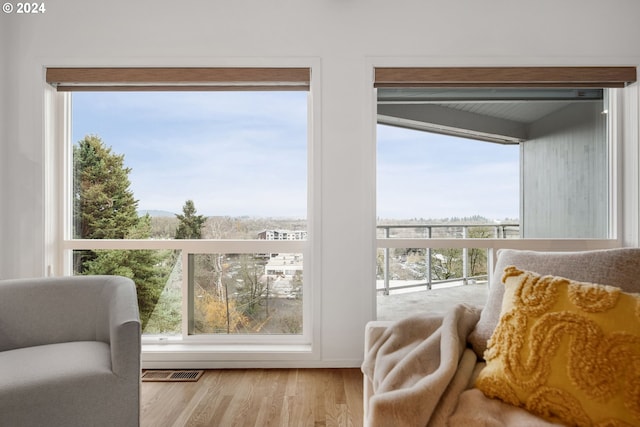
{"x":60,"y":384}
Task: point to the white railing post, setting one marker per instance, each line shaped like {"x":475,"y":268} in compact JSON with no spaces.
{"x":465,"y":256}
{"x":429,"y":277}
{"x":386,"y":264}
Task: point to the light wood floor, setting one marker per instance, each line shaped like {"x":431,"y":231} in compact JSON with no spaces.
{"x":257,"y":397}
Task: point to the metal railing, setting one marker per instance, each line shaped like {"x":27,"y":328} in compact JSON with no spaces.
{"x":439,"y":231}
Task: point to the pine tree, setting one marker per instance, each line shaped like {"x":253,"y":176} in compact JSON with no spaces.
{"x":104,"y":208}
{"x":190,"y":226}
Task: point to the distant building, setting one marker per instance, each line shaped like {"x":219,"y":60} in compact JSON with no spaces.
{"x":284,"y":265}
{"x":283,"y":235}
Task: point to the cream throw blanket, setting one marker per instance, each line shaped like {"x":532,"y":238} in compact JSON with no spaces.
{"x":422,"y":374}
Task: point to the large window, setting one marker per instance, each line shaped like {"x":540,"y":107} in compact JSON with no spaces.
{"x":193,"y":182}
{"x":470,"y":160}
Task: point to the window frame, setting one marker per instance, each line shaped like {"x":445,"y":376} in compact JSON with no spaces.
{"x":186,"y":347}
{"x":614,"y":78}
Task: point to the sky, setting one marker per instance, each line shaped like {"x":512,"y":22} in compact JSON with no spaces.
{"x":432,"y":176}
{"x":245,"y":153}
{"x":233,"y":154}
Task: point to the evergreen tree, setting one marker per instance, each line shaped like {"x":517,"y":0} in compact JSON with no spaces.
{"x":190,"y":226}
{"x":143,"y":266}
{"x":104,"y":208}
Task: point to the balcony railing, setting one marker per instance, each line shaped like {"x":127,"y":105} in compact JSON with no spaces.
{"x":439,"y":231}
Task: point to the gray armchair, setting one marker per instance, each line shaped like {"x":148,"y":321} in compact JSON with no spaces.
{"x":69,"y":352}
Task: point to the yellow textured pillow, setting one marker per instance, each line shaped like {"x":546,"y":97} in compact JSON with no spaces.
{"x":566,"y":351}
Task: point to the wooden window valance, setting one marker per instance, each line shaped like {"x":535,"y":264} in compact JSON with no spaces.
{"x":202,"y":78}
{"x":585,"y":77}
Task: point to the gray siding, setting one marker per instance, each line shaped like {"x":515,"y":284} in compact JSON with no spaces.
{"x":565,"y":175}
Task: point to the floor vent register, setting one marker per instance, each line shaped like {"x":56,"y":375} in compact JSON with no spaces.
{"x":172,"y":376}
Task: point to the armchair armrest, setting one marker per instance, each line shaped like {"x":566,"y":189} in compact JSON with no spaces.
{"x":124,"y":329}
{"x":373,"y":331}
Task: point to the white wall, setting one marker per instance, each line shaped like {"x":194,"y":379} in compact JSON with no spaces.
{"x":347,"y":37}
{"x":4,"y":83}
{"x":629,"y":176}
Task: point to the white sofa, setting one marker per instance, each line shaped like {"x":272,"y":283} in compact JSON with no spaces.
{"x":395,"y":396}
{"x":69,"y":352}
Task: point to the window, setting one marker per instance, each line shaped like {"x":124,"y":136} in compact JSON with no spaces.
{"x":471,"y":159}
{"x":180,"y":179}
